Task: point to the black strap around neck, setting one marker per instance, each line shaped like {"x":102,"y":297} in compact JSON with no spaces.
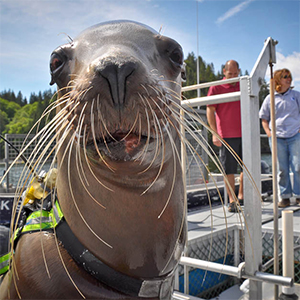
{"x":158,"y":287}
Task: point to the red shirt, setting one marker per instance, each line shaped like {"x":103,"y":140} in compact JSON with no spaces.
{"x":228,"y":115}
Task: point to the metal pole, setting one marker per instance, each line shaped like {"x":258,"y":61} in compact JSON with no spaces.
{"x":198,"y":76}
{"x":287,"y":249}
{"x":274,"y":179}
{"x":7,"y":163}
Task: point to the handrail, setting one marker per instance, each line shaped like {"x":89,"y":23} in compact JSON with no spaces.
{"x":208,"y":84}
{"x":238,"y":272}
{"x":215,"y":99}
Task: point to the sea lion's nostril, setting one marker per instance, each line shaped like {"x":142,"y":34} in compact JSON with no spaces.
{"x":117,"y":75}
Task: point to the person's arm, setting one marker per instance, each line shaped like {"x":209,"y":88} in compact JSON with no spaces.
{"x":265,"y":125}
{"x":211,"y":118}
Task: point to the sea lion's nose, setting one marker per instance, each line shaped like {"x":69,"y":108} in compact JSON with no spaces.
{"x":117,"y":75}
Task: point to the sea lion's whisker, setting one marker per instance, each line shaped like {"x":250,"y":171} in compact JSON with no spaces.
{"x":183,"y":216}
{"x":194,"y":151}
{"x":97,"y":149}
{"x":80,"y":169}
{"x":174,"y":173}
{"x":64,"y":265}
{"x":145,"y":148}
{"x":44,"y":137}
{"x":199,"y":120}
{"x":174,"y":150}
{"x":73,"y":197}
{"x":157,"y":147}
{"x":100,"y":120}
{"x":88,"y":164}
{"x":100,"y":117}
{"x":139,"y":140}
{"x":132,"y":127}
{"x":62,"y":140}
{"x":143,"y":152}
{"x":140,"y":129}
{"x":20,"y":190}
{"x":27,"y":179}
{"x":36,"y":137}
{"x":15,"y":278}
{"x":79,"y":130}
{"x":162,"y":151}
{"x":217,"y":164}
{"x":146,"y":90}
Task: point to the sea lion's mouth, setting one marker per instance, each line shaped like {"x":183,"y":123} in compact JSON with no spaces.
{"x":119,"y":146}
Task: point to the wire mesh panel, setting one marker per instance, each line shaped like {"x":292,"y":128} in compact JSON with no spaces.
{"x":268,"y":253}
{"x":197,"y":158}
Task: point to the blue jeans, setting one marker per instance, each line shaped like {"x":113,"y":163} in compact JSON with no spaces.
{"x":288,"y":155}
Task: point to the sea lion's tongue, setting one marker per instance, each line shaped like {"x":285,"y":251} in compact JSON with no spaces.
{"x":130,"y":141}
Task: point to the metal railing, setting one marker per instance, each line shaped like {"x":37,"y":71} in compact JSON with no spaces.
{"x":248,"y":96}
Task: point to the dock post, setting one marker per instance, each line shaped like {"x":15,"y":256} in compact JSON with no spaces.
{"x":252,"y":201}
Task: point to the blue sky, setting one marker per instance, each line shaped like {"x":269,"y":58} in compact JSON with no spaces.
{"x":30,"y":30}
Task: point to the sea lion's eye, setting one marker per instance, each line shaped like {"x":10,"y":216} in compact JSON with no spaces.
{"x":177,"y":56}
{"x":56,"y":62}
{"x":58,"y":69}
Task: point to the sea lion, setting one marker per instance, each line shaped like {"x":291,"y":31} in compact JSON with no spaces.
{"x":119,"y":182}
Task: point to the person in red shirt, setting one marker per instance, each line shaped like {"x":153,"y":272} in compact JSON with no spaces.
{"x":225,"y":119}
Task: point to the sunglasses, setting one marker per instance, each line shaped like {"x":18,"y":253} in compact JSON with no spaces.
{"x":286,"y":76}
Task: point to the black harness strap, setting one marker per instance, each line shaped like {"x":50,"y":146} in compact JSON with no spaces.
{"x":157,"y":287}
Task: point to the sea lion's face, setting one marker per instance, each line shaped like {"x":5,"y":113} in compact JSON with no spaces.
{"x":119,"y":84}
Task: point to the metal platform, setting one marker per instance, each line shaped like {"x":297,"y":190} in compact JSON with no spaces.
{"x":206,"y":221}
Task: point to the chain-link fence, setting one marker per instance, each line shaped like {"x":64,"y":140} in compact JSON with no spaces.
{"x":268,"y":252}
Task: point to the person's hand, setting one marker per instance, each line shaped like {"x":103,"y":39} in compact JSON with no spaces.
{"x":216,"y":141}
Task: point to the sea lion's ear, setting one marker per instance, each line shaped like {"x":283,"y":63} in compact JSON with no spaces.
{"x":183,"y":72}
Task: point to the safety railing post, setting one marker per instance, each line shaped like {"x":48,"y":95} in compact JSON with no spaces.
{"x":252,"y":202}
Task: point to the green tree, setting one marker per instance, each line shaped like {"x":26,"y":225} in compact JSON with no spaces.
{"x":191,"y":74}
{"x":9,"y":107}
{"x":206,"y":74}
{"x":23,"y":119}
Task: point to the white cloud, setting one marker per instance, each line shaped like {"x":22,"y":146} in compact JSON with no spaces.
{"x":233,"y":11}
{"x":291,"y":62}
